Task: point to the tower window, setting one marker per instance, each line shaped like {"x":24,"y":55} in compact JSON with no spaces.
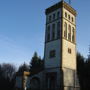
{"x":52,"y":53}
{"x":58,"y":14}
{"x":48,"y":33}
{"x":50,"y":17}
{"x":65,"y":14}
{"x":46,"y":19}
{"x":69,"y":32}
{"x":48,"y":37}
{"x":73,"y":35}
{"x":72,"y":19}
{"x":65,"y":30}
{"x":69,"y":17}
{"x":53,"y":16}
{"x":58,"y":30}
{"x":53,"y":31}
{"x":69,"y":50}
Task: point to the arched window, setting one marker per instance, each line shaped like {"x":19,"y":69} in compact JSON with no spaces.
{"x":72,"y":19}
{"x":54,"y":16}
{"x":48,"y":33}
{"x":69,"y":17}
{"x":50,"y":18}
{"x":53,"y":31}
{"x":73,"y":35}
{"x":65,"y":30}
{"x":65,"y":14}
{"x":58,"y":14}
{"x":69,"y":32}
{"x":58,"y":30}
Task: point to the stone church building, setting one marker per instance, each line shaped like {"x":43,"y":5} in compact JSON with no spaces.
{"x":59,"y":50}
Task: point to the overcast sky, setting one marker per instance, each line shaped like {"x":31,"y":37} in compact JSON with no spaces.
{"x":22,"y":28}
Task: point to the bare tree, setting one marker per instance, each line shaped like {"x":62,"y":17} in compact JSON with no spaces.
{"x":7,"y":76}
{"x":8,"y":70}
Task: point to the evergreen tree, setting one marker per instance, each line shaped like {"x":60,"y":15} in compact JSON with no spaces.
{"x":89,"y":54}
{"x":80,"y":69}
{"x":36,"y":64}
{"x":23,"y":67}
{"x":87,"y":72}
{"x":83,"y":70}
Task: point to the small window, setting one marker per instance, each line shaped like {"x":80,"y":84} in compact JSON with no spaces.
{"x":69,"y":50}
{"x":69,"y":17}
{"x":50,"y":18}
{"x":65,"y":14}
{"x":53,"y":16}
{"x":52,"y":54}
{"x":58,"y":14}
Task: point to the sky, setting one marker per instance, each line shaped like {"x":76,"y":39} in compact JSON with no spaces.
{"x":22,"y":28}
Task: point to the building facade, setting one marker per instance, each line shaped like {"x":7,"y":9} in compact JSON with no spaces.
{"x":59,"y":52}
{"x":60,"y":47}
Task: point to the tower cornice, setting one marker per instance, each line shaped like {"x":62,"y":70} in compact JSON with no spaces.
{"x":61,"y":5}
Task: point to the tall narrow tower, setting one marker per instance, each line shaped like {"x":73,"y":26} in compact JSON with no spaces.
{"x":60,"y":47}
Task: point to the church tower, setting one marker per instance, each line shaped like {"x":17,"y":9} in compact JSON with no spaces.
{"x":60,"y":47}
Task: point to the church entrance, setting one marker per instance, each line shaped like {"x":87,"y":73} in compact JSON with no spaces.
{"x":51,"y":80}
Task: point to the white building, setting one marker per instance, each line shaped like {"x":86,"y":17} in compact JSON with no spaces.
{"x":60,"y":50}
